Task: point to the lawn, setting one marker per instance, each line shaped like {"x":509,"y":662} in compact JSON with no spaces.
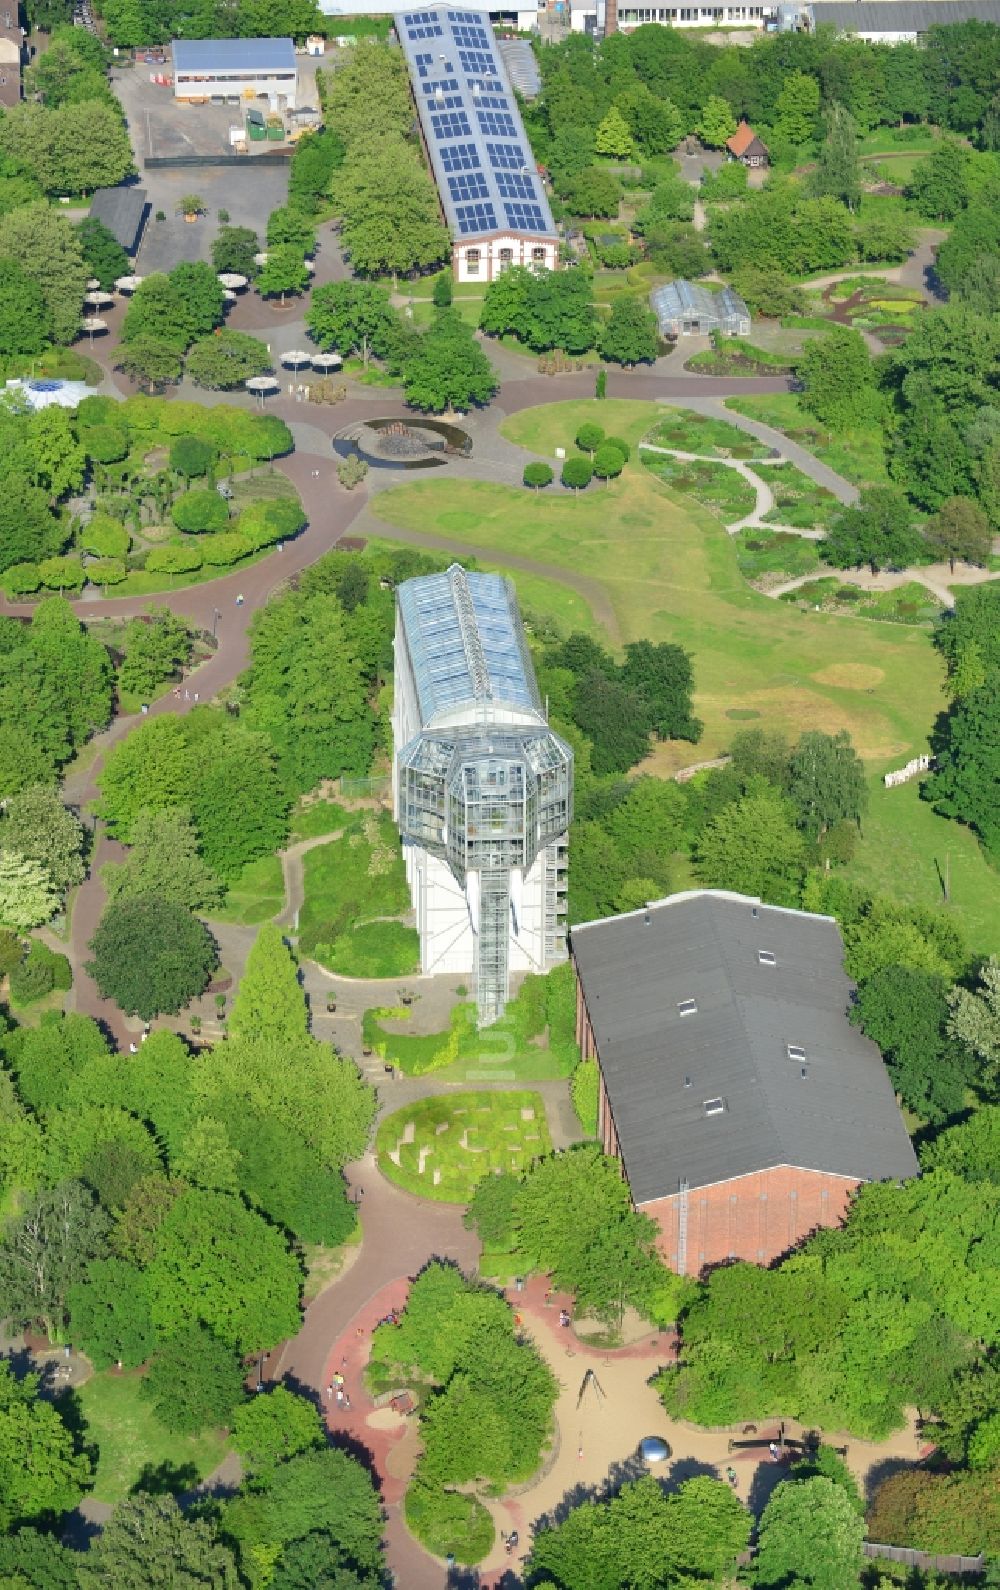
{"x":720,"y":488}
{"x":355,"y":888}
{"x":769,"y":557}
{"x":131,"y":1440}
{"x":858,"y":455}
{"x":256,"y":895}
{"x":798,"y":501}
{"x":443,"y":1146}
{"x":313,"y":818}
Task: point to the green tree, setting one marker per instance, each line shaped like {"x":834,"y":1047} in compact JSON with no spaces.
{"x":975,"y":1020}
{"x":810,"y":1535}
{"x":838,"y":169}
{"x":608,"y":462}
{"x":46,"y":1252}
{"x":614,"y":136}
{"x":655,"y":124}
{"x":274,"y":1427}
{"x":630,"y":335}
{"x":26,"y":326}
{"x":967,"y":749}
{"x":28,"y":896}
{"x":906,"y":1012}
{"x":589,"y":437}
{"x":753,"y":847}
{"x":220,"y":1264}
{"x":199,"y":293}
{"x":797,"y":108}
{"x":163,"y":862}
{"x":233,"y":249}
{"x":290,"y":227}
{"x":109,"y":1314}
{"x":270,"y":1003}
{"x":576,"y":1222}
{"x":226,"y":360}
{"x":29,"y":532}
{"x":284,"y":272}
{"x":149,"y":359}
{"x":959,"y":529}
{"x":537,"y":474}
{"x":36,"y":824}
{"x":48,"y":251}
{"x":31,"y":1560}
{"x":314,"y":161}
{"x":390,"y":217}
{"x":150,"y":1544}
{"x":324,"y":1492}
{"x":877,"y":531}
{"x":354,"y":317}
{"x":103,"y":255}
{"x":443,"y":291}
{"x":837,"y":377}
{"x":716,"y":123}
{"x":506,"y":303}
{"x":577,"y":472}
{"x":662,"y":676}
{"x":151,"y":955}
{"x":560,"y":312}
{"x":200,"y":512}
{"x":151,"y":769}
{"x":826,"y":781}
{"x":194,"y":1381}
{"x":42,"y":1475}
{"x":592,"y":192}
{"x":448,"y":369}
{"x":154,"y":650}
{"x":939,"y":184}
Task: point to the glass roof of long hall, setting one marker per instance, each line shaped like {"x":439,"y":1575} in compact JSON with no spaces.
{"x":482,"y":160}
{"x":466,"y":643}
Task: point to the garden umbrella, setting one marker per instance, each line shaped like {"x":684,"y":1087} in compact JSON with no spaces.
{"x":326,"y":361}
{"x":260,"y":259}
{"x":93,"y":324}
{"x":295,"y":358}
{"x":128,"y":284}
{"x":260,"y":385}
{"x":229,"y":295}
{"x":232,"y":280}
{"x":92,"y":283}
{"x":98,"y":297}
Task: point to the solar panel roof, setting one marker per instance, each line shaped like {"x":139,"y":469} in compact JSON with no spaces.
{"x":466,"y":643}
{"x":471,"y":123}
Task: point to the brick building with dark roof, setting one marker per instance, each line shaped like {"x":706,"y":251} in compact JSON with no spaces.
{"x":746,"y":147}
{"x":744,"y":1106}
{"x":11,"y":54}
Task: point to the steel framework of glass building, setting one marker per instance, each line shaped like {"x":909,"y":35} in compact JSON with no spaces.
{"x":483,"y":788}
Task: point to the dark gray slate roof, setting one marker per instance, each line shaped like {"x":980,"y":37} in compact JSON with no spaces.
{"x":233,"y":55}
{"x":637,"y":969}
{"x":900,"y":16}
{"x":123,"y":211}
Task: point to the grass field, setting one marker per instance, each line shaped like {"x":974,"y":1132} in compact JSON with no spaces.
{"x":316,"y":818}
{"x":131,"y":1440}
{"x":335,"y":928}
{"x":442,"y":1146}
{"x":858,"y":455}
{"x":256,"y":895}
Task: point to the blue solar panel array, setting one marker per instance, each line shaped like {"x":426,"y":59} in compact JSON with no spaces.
{"x":471,"y":124}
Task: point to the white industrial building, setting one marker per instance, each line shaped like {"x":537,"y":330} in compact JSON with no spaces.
{"x":609,"y":16}
{"x":233,"y":69}
{"x":491,"y":194}
{"x":482,"y":787}
{"x":894,"y":21}
{"x":521,"y":15}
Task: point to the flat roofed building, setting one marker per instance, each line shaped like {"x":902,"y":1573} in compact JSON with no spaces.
{"x":897,"y":21}
{"x":608,"y":16}
{"x":482,"y":788}
{"x":518,"y":14}
{"x":123,"y":210}
{"x":685,"y":309}
{"x":492,"y":197}
{"x":743,"y":1104}
{"x":258,"y":68}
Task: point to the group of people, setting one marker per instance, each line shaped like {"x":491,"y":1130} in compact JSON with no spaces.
{"x":337,"y":1391}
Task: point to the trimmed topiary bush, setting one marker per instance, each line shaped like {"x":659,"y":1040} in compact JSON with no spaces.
{"x":106,"y":571}
{"x":589,"y":437}
{"x":191,"y":457}
{"x":104,"y":537}
{"x":227,"y":547}
{"x":173,"y":560}
{"x":538,"y":474}
{"x":200,"y":512}
{"x":577,"y":473}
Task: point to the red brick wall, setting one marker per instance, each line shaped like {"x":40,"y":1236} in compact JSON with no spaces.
{"x":756,"y":1217}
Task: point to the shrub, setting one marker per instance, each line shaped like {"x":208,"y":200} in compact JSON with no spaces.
{"x":40,"y":971}
{"x":105,"y":537}
{"x":583,"y":1089}
{"x":352,"y":470}
{"x":608,"y":461}
{"x":191,"y":457}
{"x":61,"y":574}
{"x":577,"y":473}
{"x":106,"y":444}
{"x":264,"y":523}
{"x":197,"y":512}
{"x":227,"y":547}
{"x":11,"y":951}
{"x":447,"y":1522}
{"x":173,"y":560}
{"x":622,"y":446}
{"x":538,"y":474}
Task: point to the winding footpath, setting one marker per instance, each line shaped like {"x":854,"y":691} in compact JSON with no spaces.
{"x":401,"y":1233}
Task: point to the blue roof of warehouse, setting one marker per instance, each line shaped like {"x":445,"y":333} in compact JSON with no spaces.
{"x":232,"y":55}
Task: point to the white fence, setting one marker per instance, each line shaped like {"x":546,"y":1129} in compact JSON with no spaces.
{"x":920,"y":764}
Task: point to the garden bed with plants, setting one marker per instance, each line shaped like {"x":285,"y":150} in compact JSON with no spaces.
{"x":798,"y":500}
{"x":857,"y":453}
{"x":355,"y":894}
{"x":720,"y":488}
{"x":733,"y":356}
{"x":442,"y":1147}
{"x":911,"y":603}
{"x":767,"y":558}
{"x":701,"y":433}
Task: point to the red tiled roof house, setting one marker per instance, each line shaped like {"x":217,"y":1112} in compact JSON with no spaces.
{"x":744,"y":1106}
{"x":746,"y":147}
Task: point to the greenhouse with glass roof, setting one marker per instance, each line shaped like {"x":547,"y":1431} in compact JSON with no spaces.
{"x":491,"y":194}
{"x":482,"y":787}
